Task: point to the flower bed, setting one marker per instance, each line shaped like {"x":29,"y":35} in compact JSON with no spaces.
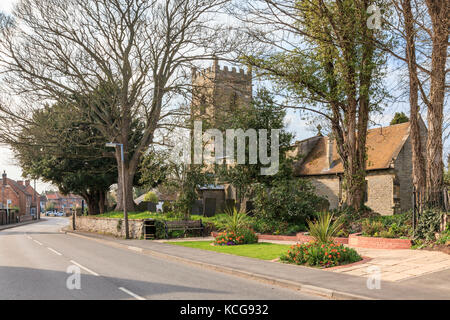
{"x":230,"y":238}
{"x":315,"y":254}
{"x":357,"y":240}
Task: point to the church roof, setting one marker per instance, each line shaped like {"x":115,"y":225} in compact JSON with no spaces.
{"x":383,"y":147}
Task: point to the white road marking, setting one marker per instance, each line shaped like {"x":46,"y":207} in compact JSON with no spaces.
{"x":135,"y":249}
{"x":131,"y":294}
{"x":29,"y":237}
{"x":84,"y":268}
{"x":54,"y":251}
{"x":38,"y":242}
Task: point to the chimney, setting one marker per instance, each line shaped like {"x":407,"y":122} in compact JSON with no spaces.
{"x":4,"y":178}
{"x":27,"y":183}
{"x":329,"y":146}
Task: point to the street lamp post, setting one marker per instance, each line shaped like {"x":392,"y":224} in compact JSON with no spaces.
{"x":38,"y":209}
{"x":124,"y":198}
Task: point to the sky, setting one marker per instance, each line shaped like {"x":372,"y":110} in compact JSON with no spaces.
{"x":7,"y":161}
{"x":293,"y":120}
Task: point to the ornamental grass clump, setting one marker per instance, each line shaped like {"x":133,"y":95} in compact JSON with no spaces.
{"x":235,"y":220}
{"x":324,"y":229}
{"x":315,"y":254}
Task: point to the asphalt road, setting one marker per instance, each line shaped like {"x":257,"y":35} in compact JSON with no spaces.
{"x":39,"y":262}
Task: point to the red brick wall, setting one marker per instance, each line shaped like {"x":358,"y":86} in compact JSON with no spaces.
{"x":355,"y":240}
{"x":300,"y":237}
{"x":9,"y":194}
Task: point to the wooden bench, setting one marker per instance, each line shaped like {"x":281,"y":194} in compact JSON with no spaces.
{"x":184,"y":226}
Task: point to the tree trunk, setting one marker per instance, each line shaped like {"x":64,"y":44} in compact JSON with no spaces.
{"x":128,"y":174}
{"x":92,"y":203}
{"x":102,"y":202}
{"x":438,"y":11}
{"x":418,"y":161}
{"x":129,"y":177}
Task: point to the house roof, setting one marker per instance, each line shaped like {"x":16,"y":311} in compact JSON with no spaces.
{"x":17,"y":187}
{"x":57,"y":196}
{"x":383,"y":147}
{"x":162,"y":196}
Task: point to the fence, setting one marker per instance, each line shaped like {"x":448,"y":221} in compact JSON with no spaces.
{"x":439,"y":200}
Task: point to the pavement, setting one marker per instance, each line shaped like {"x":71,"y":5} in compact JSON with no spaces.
{"x":15,"y":225}
{"x":335,"y":285}
{"x":399,"y":265}
{"x":38,"y":262}
{"x":394,"y":265}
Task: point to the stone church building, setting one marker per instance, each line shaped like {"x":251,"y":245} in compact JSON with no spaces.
{"x":389,"y":183}
{"x":218,"y":91}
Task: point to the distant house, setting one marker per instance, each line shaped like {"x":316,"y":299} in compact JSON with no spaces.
{"x":389,"y":183}
{"x":63,"y":203}
{"x":20,"y":195}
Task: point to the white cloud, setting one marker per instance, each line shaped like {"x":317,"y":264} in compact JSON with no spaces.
{"x":6,"y":5}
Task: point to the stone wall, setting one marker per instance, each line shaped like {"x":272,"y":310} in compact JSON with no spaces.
{"x":381,"y":192}
{"x":115,"y":227}
{"x":403,"y":170}
{"x":329,"y":188}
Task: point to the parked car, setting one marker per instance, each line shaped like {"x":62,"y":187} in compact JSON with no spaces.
{"x":60,"y":214}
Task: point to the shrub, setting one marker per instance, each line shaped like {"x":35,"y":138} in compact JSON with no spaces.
{"x":160,"y":232}
{"x":397,"y":226}
{"x":167,"y":207}
{"x":266,"y":226}
{"x":371,"y":228}
{"x":323,"y":230}
{"x":428,"y":225}
{"x":230,"y":238}
{"x":352,"y":219}
{"x":444,"y":237}
{"x":249,"y":236}
{"x":151,"y":197}
{"x":292,"y":201}
{"x":320,"y":255}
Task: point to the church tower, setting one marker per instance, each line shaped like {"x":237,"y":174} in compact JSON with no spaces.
{"x":218,"y":91}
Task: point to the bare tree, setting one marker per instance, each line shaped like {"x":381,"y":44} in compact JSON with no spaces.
{"x":425,"y":22}
{"x":142,"y":50}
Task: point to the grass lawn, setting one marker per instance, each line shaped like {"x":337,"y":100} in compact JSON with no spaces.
{"x":263,"y":251}
{"x":131,"y":215}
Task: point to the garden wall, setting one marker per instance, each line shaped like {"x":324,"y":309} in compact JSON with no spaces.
{"x":300,"y":237}
{"x":356,"y":240}
{"x":115,"y":227}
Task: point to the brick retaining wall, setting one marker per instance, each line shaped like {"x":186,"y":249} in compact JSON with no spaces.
{"x":356,"y":240}
{"x":300,"y":237}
